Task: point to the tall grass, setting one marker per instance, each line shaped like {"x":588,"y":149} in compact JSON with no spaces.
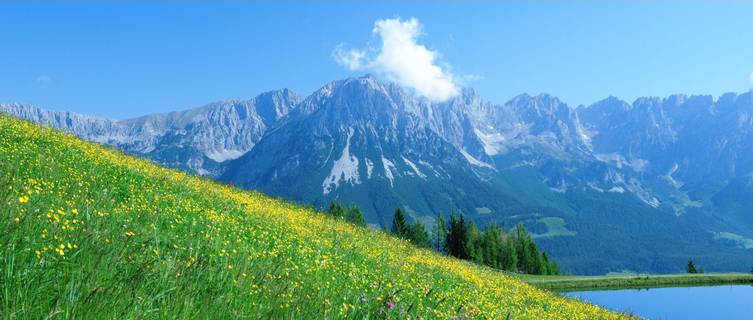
{"x":89,"y":233}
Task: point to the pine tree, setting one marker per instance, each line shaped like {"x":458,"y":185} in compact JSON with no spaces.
{"x":457,"y":238}
{"x":535,"y":264}
{"x":440,"y":234}
{"x":419,"y":236}
{"x":474,"y":244}
{"x":553,"y":268}
{"x":543,"y":264}
{"x":355,"y":216}
{"x":691,"y":267}
{"x":549,"y":265}
{"x":336,"y":210}
{"x":399,"y":227}
{"x":493,"y":246}
{"x":509,"y":255}
{"x":525,"y":258}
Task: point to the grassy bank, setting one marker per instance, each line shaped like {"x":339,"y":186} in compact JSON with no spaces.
{"x":573,"y":283}
{"x":90,"y":233}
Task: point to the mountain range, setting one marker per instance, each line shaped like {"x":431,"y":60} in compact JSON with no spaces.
{"x":610,"y":187}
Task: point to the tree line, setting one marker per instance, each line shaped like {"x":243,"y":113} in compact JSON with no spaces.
{"x":510,"y":250}
{"x":350,"y":214}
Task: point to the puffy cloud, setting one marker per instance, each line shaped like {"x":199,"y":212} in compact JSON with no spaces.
{"x":352,"y":59}
{"x":401,"y":59}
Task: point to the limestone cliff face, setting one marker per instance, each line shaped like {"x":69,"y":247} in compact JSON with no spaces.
{"x":196,"y":139}
{"x":677,"y":169}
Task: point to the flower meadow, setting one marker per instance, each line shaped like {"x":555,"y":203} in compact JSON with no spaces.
{"x":91,"y":233}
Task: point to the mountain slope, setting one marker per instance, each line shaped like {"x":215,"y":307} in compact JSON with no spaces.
{"x":615,"y":186}
{"x":90,"y":233}
{"x":533,"y":160}
{"x":691,"y":145}
{"x":195,"y":140}
{"x":356,"y":141}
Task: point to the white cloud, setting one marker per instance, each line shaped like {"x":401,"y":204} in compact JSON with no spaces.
{"x":351,"y":59}
{"x":401,"y":59}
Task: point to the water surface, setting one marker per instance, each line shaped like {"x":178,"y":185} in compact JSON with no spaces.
{"x":685,"y":303}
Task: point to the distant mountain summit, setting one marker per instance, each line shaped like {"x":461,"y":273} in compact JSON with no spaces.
{"x":613,"y":186}
{"x":194,"y":140}
{"x":361,"y":141}
{"x":683,"y":144}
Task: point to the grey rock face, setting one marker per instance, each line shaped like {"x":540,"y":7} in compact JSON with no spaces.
{"x":692,"y":144}
{"x":357,"y":140}
{"x":196,"y":139}
{"x":677,"y":169}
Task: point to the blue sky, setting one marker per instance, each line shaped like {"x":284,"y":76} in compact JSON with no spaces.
{"x":123,"y":59}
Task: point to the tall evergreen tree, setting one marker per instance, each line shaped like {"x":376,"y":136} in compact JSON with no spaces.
{"x":536,"y":262}
{"x":474,"y":244}
{"x":492,"y":246}
{"x":543,"y":264}
{"x":509,"y":255}
{"x":355,"y":216}
{"x":440,"y":234}
{"x":399,"y":227}
{"x":553,"y":268}
{"x":525,"y":257}
{"x":336,"y":210}
{"x":457,"y":238}
{"x":419,"y":236}
{"x":546,"y":265}
{"x":691,"y":266}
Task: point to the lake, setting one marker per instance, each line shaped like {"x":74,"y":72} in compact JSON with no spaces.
{"x":708,"y":302}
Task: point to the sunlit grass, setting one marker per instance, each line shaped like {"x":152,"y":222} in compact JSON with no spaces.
{"x":89,"y":233}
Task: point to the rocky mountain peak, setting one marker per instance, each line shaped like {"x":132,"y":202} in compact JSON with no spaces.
{"x":370,"y":142}
{"x":274,"y":105}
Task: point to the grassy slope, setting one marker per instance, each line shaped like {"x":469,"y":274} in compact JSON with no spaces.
{"x":89,"y":233}
{"x":570,"y":283}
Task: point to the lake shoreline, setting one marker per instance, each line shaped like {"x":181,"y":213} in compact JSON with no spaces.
{"x":584,"y":283}
{"x":718,"y":301}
